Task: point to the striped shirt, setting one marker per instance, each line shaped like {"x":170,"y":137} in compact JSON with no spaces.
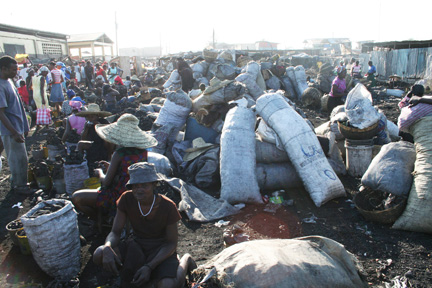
{"x":409,"y":115}
{"x":56,"y":76}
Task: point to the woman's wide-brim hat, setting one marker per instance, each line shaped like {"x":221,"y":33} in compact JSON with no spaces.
{"x":125,"y":132}
{"x":93,"y":109}
{"x":199,"y":146}
{"x":216,"y":84}
{"x":135,"y":78}
{"x":143,"y":172}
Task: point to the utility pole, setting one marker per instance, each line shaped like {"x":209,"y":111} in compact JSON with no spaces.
{"x":214,"y":43}
{"x":116,"y":26}
{"x":160,"y":43}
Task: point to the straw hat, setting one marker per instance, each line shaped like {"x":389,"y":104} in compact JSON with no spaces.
{"x":199,"y":146}
{"x":143,"y":172}
{"x":93,"y":109}
{"x":125,"y":132}
{"x":216,"y":84}
{"x":135,"y":78}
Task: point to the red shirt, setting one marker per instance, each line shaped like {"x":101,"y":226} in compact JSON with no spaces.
{"x":24,"y":94}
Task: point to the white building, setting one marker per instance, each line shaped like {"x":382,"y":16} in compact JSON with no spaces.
{"x":37,"y":44}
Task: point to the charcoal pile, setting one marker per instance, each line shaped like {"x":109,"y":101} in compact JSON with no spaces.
{"x":47,"y":209}
{"x":75,"y":157}
{"x":53,"y":138}
{"x":73,"y":137}
{"x":40,"y":168}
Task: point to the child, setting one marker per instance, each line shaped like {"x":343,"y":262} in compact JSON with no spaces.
{"x":23,"y":92}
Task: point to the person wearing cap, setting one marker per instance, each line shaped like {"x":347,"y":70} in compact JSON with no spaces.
{"x":96,"y":148}
{"x":136,"y":81}
{"x":74,"y":122}
{"x":338,"y":89}
{"x":150,"y":254}
{"x":131,"y":144}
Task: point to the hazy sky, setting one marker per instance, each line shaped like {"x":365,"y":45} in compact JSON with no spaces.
{"x":188,"y":25}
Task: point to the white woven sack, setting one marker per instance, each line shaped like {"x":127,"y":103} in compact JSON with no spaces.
{"x":247,"y":79}
{"x":390,"y":170}
{"x":174,"y":81}
{"x":74,"y":176}
{"x":418,"y":213}
{"x":173,"y":114}
{"x":302,"y":147}
{"x":311,"y":261}
{"x":161,"y":162}
{"x":252,"y":68}
{"x":300,"y":76}
{"x":237,"y":158}
{"x":276,"y":176}
{"x":54,"y":239}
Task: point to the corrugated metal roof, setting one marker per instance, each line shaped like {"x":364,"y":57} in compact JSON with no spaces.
{"x":36,"y":33}
{"x":91,"y":37}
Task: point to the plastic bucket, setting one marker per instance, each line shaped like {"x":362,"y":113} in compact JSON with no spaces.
{"x":358,"y":156}
{"x":45,"y":149}
{"x":12,"y":227}
{"x":59,"y":185}
{"x":92,"y":183}
{"x":38,"y":154}
{"x":23,"y":242}
{"x":44,"y":183}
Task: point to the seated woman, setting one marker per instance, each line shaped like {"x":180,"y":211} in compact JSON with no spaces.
{"x":413,"y":107}
{"x":338,"y":89}
{"x":132,"y":143}
{"x":74,"y":122}
{"x":150,"y":255}
{"x":96,"y":148}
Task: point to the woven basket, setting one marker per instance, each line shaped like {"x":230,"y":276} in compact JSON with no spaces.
{"x":364,"y":203}
{"x":358,"y":134}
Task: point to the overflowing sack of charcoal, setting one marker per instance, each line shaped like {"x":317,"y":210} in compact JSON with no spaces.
{"x":52,"y":231}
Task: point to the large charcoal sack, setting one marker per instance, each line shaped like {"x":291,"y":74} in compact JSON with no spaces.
{"x":247,"y":79}
{"x":252,"y":68}
{"x":237,"y":158}
{"x":161,"y":162}
{"x":289,"y":87}
{"x":311,"y":97}
{"x":276,"y":176}
{"x":174,"y":82}
{"x":74,"y":176}
{"x":302,"y":147}
{"x":300,"y":76}
{"x":54,"y":239}
{"x":390,"y":170}
{"x":273,"y":83}
{"x":175,"y":111}
{"x":418,"y":213}
{"x":290,"y":72}
{"x":311,"y":261}
{"x":268,"y":153}
{"x":224,"y":71}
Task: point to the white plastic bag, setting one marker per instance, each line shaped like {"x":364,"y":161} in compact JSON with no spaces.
{"x":74,"y":176}
{"x":161,"y":162}
{"x":358,"y":107}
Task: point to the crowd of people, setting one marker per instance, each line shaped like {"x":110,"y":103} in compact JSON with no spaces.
{"x":129,"y":184}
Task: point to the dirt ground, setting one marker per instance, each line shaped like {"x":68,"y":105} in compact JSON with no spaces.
{"x":384,"y":253}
